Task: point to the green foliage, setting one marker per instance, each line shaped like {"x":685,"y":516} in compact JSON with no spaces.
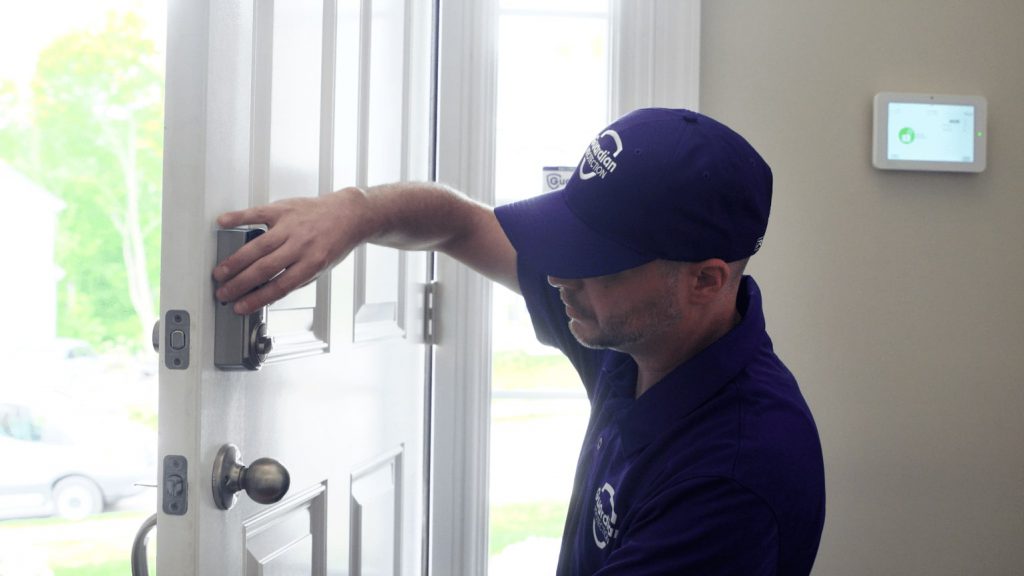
{"x":516,"y":522}
{"x":14,"y":129}
{"x":95,"y":141}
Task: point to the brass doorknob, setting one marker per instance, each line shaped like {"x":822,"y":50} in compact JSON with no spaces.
{"x":265,"y":480}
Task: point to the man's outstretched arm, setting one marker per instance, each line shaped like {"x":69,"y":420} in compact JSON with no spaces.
{"x":306,"y":236}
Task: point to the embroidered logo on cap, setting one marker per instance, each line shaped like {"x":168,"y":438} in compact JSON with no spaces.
{"x":597,"y":161}
{"x":604,"y":516}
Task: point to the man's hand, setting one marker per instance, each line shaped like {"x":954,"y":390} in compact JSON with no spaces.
{"x":304,"y":237}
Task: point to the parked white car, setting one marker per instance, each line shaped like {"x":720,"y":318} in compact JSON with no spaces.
{"x":59,"y":458}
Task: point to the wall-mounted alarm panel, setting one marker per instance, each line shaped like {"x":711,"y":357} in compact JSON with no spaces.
{"x":931,"y":132}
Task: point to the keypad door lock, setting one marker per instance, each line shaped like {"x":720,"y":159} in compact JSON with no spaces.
{"x":240,"y":341}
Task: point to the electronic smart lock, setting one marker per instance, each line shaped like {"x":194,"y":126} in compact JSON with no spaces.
{"x":240,"y":341}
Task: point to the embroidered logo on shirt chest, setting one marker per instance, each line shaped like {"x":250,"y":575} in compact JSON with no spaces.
{"x":604,"y":516}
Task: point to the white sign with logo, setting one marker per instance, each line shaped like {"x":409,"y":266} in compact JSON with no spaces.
{"x":556,"y":177}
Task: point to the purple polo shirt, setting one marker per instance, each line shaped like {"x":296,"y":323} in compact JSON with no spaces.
{"x":717,"y":469}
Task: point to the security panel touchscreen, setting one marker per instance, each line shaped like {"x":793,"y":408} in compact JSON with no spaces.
{"x":929,"y":132}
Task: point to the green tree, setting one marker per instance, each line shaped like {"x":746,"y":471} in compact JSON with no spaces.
{"x":14,"y":130}
{"x":96,"y":142}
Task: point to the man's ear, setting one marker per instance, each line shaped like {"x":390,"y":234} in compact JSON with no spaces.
{"x":711,"y":277}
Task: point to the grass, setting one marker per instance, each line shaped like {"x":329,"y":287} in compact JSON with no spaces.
{"x":112,"y":568}
{"x":522,"y":371}
{"x":99,"y":545}
{"x":516,"y":522}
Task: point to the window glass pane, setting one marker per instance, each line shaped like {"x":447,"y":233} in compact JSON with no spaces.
{"x":552,"y":98}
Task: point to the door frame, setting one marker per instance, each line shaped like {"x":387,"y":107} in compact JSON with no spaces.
{"x":465,"y":107}
{"x":654,"y":61}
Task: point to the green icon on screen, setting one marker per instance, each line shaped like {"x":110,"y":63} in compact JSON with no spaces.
{"x":907,"y":135}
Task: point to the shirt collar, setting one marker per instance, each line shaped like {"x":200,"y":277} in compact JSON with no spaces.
{"x":695,"y":381}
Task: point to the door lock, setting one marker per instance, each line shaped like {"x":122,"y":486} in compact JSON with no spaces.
{"x":240,"y":341}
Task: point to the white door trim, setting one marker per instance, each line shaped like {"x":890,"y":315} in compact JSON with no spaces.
{"x":655,"y":55}
{"x":467,"y":82}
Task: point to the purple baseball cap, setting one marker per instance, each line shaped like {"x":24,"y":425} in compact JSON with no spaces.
{"x":655,"y":184}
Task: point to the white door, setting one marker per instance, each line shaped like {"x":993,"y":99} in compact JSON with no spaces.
{"x":267,"y":100}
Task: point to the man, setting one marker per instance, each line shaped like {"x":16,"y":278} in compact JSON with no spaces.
{"x":701,"y":456}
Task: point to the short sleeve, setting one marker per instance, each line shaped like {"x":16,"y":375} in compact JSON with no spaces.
{"x":698,"y":527}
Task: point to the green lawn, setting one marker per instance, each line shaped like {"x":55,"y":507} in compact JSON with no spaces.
{"x":521,"y":371}
{"x":114,"y":567}
{"x":516,"y":522}
{"x":96,"y":546}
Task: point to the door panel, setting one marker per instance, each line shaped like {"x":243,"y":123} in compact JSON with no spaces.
{"x":267,"y":100}
{"x":288,"y":538}
{"x":376,"y":500}
{"x":379,"y":270}
{"x":290,"y":40}
{"x":385,"y":62}
{"x":379,"y":273}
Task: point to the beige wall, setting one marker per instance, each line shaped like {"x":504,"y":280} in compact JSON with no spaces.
{"x":897,"y":298}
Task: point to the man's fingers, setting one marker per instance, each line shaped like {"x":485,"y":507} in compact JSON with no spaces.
{"x":279,"y":287}
{"x":249,"y":253}
{"x":249,"y":216}
{"x":237,"y":218}
{"x":253,"y":267}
